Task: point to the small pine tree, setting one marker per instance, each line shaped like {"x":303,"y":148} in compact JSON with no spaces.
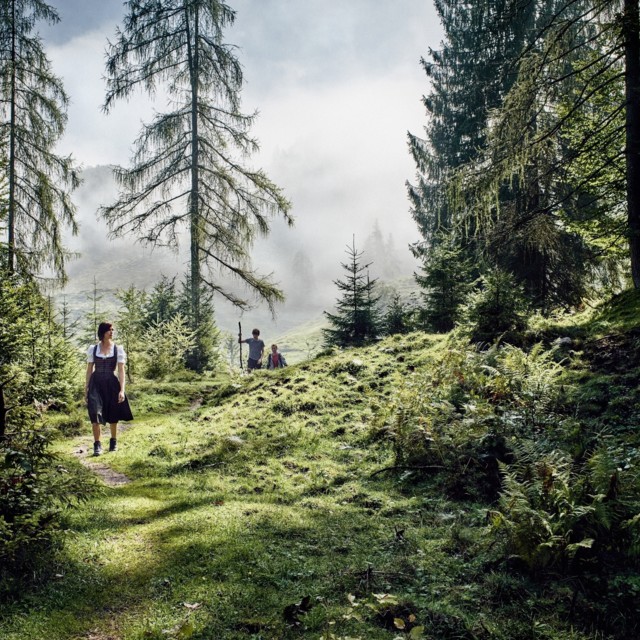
{"x":498,"y":307}
{"x":230,"y":347}
{"x":130,"y":325}
{"x":167,"y":345}
{"x":205,"y":353}
{"x":95,"y":316}
{"x":69,"y":326}
{"x":162,"y":303}
{"x":445,"y":280}
{"x":357,"y":320}
{"x":396,"y":318}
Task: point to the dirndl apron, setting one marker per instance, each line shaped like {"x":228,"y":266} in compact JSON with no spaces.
{"x":104,"y":388}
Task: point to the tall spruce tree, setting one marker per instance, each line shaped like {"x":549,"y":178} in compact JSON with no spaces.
{"x":187,"y":171}
{"x":469,"y":75}
{"x":543,"y":192}
{"x":357,"y":318}
{"x":33,"y":118}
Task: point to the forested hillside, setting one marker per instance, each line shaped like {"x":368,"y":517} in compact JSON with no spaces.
{"x":415,"y":488}
{"x":526,"y":176}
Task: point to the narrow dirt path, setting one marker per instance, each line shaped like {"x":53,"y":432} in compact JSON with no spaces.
{"x":110,"y":477}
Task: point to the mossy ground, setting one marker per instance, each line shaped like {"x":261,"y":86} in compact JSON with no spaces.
{"x":255,"y":511}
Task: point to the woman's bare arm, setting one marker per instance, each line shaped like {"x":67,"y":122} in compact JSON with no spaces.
{"x":121,"y":378}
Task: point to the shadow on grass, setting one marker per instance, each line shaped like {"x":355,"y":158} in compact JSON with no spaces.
{"x":242,"y":562}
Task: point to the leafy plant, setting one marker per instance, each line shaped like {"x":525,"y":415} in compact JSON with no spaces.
{"x":388,"y":612}
{"x":460,"y":417}
{"x":552,"y":513}
{"x":166,"y":346}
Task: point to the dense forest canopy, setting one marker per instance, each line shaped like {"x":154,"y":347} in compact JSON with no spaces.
{"x":531,"y":150}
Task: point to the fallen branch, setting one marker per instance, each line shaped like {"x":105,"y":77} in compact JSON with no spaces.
{"x":429,"y":467}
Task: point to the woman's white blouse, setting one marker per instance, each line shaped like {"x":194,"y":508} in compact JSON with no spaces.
{"x":122,"y":356}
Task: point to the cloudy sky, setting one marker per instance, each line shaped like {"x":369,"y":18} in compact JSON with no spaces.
{"x":337,"y":84}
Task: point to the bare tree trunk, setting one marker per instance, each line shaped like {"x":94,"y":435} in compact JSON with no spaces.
{"x":11,"y":242}
{"x":631,"y":33}
{"x":3,"y":413}
{"x":195,"y":223}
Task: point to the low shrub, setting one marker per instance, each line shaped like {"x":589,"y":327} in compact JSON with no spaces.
{"x":460,"y":418}
{"x":353,"y":367}
{"x":34,"y":490}
{"x":557,"y":516}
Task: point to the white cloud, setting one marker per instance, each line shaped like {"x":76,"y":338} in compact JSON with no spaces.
{"x":340,"y":153}
{"x":93,"y":137}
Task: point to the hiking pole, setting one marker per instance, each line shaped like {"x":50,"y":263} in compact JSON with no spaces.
{"x":240,"y":342}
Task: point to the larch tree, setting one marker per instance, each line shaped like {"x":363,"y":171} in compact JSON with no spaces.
{"x":33,"y":116}
{"x":188,"y":172}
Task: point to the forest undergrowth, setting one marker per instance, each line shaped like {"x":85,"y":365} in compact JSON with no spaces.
{"x":421,"y":487}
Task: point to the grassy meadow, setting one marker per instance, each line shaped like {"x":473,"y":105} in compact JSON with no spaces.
{"x":285,"y":504}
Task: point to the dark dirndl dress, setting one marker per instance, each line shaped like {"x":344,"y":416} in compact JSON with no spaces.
{"x":104,"y":388}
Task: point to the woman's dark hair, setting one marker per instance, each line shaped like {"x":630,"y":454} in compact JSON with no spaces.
{"x":103,"y":327}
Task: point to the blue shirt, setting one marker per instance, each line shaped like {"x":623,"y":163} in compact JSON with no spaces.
{"x":256,"y":347}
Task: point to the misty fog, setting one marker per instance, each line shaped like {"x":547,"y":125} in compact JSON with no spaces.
{"x":304,"y":260}
{"x":337,"y":86}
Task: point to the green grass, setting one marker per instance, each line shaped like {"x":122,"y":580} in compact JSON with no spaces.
{"x":303,"y":342}
{"x":255,"y":511}
{"x":621,"y":313}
